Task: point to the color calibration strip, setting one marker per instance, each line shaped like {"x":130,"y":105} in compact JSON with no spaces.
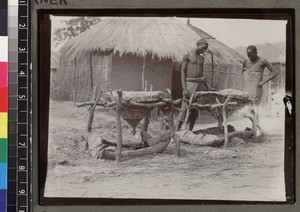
{"x":3,"y":106}
{"x":19,"y":86}
{"x":23,"y":97}
{"x":12,"y":104}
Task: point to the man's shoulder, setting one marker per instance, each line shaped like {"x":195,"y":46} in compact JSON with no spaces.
{"x":246,"y":61}
{"x":264,"y":60}
{"x":186,"y":56}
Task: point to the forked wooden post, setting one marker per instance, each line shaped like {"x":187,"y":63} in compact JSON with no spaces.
{"x":171,"y":125}
{"x":187,"y":115}
{"x":92,"y":112}
{"x":146,"y":121}
{"x":220,"y":118}
{"x":119,"y":127}
{"x":225,"y":122}
{"x":74,"y":83}
{"x":94,"y":93}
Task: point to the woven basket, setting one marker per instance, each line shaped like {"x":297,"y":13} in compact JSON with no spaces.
{"x":133,"y":116}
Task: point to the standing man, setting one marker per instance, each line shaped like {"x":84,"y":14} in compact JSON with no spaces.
{"x":252,"y":80}
{"x":252,"y":74}
{"x":192,"y":80}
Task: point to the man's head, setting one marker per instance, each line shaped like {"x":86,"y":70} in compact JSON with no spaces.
{"x":252,"y":52}
{"x":202,"y":45}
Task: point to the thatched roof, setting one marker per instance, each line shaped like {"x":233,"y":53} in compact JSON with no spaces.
{"x":221,"y":52}
{"x":54,"y":60}
{"x":160,"y":37}
{"x":163,"y":37}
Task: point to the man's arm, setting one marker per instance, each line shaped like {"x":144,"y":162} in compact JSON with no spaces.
{"x":183,"y":75}
{"x":274,"y":73}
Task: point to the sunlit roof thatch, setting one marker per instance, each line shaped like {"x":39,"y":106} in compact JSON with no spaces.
{"x":54,"y":60}
{"x":163,"y":37}
{"x":221,"y":52}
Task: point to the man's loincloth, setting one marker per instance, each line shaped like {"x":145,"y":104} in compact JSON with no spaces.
{"x":250,"y":82}
{"x":195,"y":86}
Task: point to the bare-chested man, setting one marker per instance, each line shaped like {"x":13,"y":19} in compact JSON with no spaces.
{"x":252,"y":80}
{"x":192,"y":80}
{"x":252,"y":74}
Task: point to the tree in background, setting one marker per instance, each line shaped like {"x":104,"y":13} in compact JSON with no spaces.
{"x":73,"y":27}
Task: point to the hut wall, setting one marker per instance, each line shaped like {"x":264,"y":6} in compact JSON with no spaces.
{"x":83,"y":79}
{"x":127,"y":73}
{"x":224,"y":75}
{"x":279,"y":82}
{"x":158,"y":73}
{"x":62,"y":86}
{"x":102,"y":64}
{"x":276,"y":85}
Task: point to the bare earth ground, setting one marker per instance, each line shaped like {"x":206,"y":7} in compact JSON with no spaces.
{"x":243,"y":171}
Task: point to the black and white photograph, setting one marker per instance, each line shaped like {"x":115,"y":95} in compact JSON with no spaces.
{"x":167,"y":108}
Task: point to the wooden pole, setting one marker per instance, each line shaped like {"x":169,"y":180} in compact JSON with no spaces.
{"x":91,"y":72}
{"x":188,"y":21}
{"x":143,"y":74}
{"x":146,"y":121}
{"x":74,"y":83}
{"x":187,"y":115}
{"x":220,"y":119}
{"x":171,"y":124}
{"x":94,"y":93}
{"x":119,"y":127}
{"x":225,"y":122}
{"x":212,"y":69}
{"x":90,"y":103}
{"x":92,"y":112}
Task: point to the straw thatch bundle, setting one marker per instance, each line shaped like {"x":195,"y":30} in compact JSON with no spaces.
{"x":165,"y":38}
{"x":209,"y":97}
{"x":54,"y":60}
{"x":136,"y":96}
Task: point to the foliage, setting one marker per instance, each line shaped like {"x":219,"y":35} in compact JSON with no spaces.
{"x":73,"y":27}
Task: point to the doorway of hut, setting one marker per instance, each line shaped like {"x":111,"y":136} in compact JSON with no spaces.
{"x":176,"y":83}
{"x":176,"y":86}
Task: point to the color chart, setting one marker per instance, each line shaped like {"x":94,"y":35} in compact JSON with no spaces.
{"x":3,"y":105}
{"x":12,"y":103}
{"x":18,"y":146}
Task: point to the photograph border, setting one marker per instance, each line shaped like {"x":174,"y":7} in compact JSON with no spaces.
{"x":40,"y":85}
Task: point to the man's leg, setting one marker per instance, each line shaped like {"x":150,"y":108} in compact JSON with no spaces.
{"x":192,"y":119}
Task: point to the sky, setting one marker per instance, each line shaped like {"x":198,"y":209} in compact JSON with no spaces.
{"x":242,"y":32}
{"x":231,"y":32}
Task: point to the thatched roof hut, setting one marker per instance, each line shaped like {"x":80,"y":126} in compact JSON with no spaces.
{"x":133,"y":52}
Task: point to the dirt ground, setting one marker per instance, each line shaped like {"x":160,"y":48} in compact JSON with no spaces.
{"x":244,"y":171}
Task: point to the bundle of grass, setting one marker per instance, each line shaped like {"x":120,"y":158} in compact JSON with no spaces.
{"x":210,"y":100}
